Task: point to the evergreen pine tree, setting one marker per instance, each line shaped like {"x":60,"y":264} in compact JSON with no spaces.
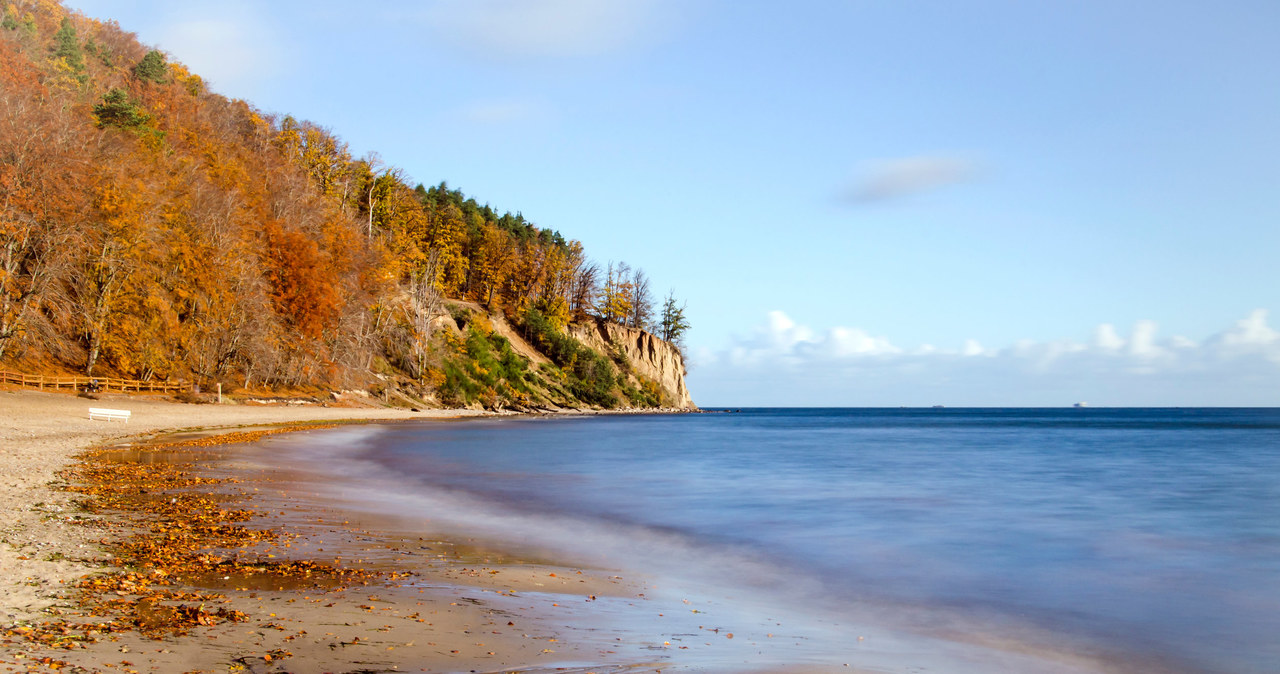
{"x":152,"y":67}
{"x":117,"y":109}
{"x":67,"y":47}
{"x":672,"y":321}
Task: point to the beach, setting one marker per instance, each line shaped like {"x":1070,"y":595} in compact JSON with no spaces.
{"x":42,"y":433}
{"x":380,"y":599}
{"x":305,"y":538}
{"x":44,"y":551}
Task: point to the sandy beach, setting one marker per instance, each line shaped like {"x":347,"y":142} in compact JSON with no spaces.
{"x":118,"y":576}
{"x":44,"y":550}
{"x":426,"y":605}
{"x":41,"y":433}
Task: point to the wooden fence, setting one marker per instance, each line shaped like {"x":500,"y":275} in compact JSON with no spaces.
{"x":53,"y":383}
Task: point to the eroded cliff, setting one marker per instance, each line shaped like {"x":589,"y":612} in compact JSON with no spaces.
{"x":649,"y":356}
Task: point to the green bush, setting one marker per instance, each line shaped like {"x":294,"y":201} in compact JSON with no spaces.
{"x":648,"y":394}
{"x":485,"y":369}
{"x":591,"y":377}
{"x":458,"y":388}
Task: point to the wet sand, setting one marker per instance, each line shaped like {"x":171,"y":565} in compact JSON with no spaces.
{"x":429,"y":604}
{"x":414,"y":601}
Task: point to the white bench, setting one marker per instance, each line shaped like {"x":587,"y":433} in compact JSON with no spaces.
{"x":109,"y":415}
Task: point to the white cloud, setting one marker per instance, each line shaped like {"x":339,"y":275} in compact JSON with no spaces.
{"x":781,"y":339}
{"x":894,"y":178}
{"x":783,"y":333}
{"x":783,"y":362}
{"x":1105,"y":338}
{"x":972,"y":348}
{"x":1142,"y":342}
{"x":546,"y":28}
{"x":1251,"y":331}
{"x":844,"y":342}
{"x":1251,"y":336}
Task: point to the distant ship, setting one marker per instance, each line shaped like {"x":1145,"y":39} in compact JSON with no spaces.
{"x":1081,"y":404}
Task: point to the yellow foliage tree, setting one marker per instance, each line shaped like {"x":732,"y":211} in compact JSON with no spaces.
{"x":447,"y":234}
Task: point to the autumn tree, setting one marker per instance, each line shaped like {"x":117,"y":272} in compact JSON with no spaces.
{"x":109,"y":259}
{"x":528,"y":272}
{"x":42,"y":166}
{"x":25,"y":25}
{"x":583,"y":288}
{"x":446,"y":234}
{"x":550,"y":296}
{"x":425,"y":303}
{"x":616,"y":298}
{"x":492,"y":262}
{"x":154,"y":229}
{"x":366,"y":182}
{"x":221,"y":301}
{"x":140,"y":339}
{"x":300,"y":284}
{"x":325,"y":159}
{"x":641,"y":300}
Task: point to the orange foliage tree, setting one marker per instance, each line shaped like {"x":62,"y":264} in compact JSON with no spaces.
{"x":301,"y":285}
{"x":152,"y":228}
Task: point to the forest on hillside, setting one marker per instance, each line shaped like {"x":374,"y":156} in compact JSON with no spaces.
{"x":153,"y":229}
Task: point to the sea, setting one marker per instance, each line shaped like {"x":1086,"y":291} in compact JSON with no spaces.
{"x":1142,"y":540}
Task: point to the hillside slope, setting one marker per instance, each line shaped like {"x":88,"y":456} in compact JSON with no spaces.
{"x":152,"y":229}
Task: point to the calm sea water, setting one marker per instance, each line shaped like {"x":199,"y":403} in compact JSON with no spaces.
{"x":1145,"y":533}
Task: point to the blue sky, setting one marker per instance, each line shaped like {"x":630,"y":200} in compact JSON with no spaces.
{"x":863,"y":202}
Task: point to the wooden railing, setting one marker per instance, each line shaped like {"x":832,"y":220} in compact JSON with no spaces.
{"x":45,"y":382}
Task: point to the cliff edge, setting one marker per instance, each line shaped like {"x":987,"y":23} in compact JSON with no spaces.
{"x":650,"y":356}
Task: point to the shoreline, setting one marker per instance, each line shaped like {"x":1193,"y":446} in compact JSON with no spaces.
{"x":44,"y":432}
{"x":437,"y":617}
{"x":370,"y":594}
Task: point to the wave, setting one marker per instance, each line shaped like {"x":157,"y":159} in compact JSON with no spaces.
{"x":342,"y":466}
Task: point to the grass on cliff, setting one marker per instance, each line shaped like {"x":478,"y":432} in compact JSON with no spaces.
{"x":589,"y":377}
{"x":481,"y":367}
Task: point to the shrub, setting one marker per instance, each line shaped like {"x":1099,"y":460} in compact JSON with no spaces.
{"x":591,"y":377}
{"x":484,"y":368}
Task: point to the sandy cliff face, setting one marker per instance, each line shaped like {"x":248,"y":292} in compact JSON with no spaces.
{"x":650,"y":356}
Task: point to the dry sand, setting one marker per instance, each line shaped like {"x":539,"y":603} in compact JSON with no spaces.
{"x":465,"y":609}
{"x":40,"y":433}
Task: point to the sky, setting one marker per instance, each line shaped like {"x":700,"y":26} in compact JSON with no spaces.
{"x":863,"y":202}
